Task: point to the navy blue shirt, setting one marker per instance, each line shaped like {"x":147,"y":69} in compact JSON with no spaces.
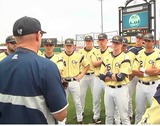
{"x":135,"y":49}
{"x":30,"y":89}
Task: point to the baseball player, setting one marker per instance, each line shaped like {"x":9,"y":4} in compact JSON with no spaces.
{"x":103,"y":51}
{"x":151,"y":115}
{"x":39,"y":53}
{"x":146,"y":66}
{"x":125,"y":45}
{"x":11,"y":47}
{"x":71,"y":73}
{"x":88,"y":80}
{"x":49,"y":54}
{"x":115,"y":70}
{"x":132,"y":52}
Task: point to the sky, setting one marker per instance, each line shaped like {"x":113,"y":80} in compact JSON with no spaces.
{"x":62,"y":19}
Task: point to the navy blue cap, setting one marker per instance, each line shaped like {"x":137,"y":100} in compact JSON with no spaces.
{"x":102,"y":36}
{"x":69,"y":41}
{"x":125,"y":41}
{"x":139,"y":35}
{"x":10,"y":39}
{"x":26,"y":25}
{"x":48,"y":41}
{"x":88,"y":38}
{"x":148,"y":36}
{"x":118,"y":39}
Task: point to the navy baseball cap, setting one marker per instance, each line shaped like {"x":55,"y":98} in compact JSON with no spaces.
{"x":125,"y":41}
{"x":10,"y":39}
{"x":88,"y":38}
{"x":139,"y":35}
{"x":26,"y":25}
{"x":69,"y":41}
{"x":117,"y":39}
{"x":102,"y":36}
{"x":48,"y":42}
{"x":148,"y":36}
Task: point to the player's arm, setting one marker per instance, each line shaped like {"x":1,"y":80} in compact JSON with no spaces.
{"x":85,"y":65}
{"x":118,"y":77}
{"x":103,"y":73}
{"x":60,"y":65}
{"x":85,"y":69}
{"x":97,"y":63}
{"x":136,"y":68}
{"x":124,"y":71}
{"x":97,"y":59}
{"x":155,"y":69}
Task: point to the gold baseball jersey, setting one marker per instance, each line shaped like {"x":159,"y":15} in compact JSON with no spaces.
{"x":147,"y":61}
{"x":39,"y":53}
{"x":3,"y":55}
{"x":100,"y":55}
{"x":152,"y":114}
{"x":90,"y":56}
{"x":72,"y":64}
{"x":116,"y":64}
{"x":57,"y":60}
{"x":132,"y":52}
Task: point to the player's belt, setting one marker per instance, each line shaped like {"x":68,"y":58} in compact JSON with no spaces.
{"x":147,"y":83}
{"x":119,"y":86}
{"x":89,"y":73}
{"x":69,"y":79}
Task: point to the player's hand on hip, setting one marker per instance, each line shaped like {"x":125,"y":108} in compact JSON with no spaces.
{"x":79,"y":77}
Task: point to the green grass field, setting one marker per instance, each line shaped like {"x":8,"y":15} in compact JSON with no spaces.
{"x":88,"y":110}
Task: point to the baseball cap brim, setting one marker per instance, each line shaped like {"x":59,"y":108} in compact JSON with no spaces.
{"x":148,"y":39}
{"x":69,"y":44}
{"x":88,"y":39}
{"x":101,"y":38}
{"x":125,"y":44}
{"x":116,"y":41}
{"x":43,"y":32}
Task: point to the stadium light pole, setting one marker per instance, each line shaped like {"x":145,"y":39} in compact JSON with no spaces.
{"x":101,"y":15}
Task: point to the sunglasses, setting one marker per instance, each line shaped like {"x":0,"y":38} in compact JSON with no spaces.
{"x":49,"y":45}
{"x":41,"y":34}
{"x":13,"y":43}
{"x":147,"y":40}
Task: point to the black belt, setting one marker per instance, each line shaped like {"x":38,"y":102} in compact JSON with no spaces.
{"x":119,"y":86}
{"x":147,"y":83}
{"x":69,"y":79}
{"x":89,"y":73}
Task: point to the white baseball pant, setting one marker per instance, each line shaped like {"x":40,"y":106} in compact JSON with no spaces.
{"x":87,"y":80}
{"x":116,"y":97}
{"x":131,"y":88}
{"x":97,"y":89}
{"x":74,"y":89}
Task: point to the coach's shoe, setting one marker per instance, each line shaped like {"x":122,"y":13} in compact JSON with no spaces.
{"x":96,"y":121}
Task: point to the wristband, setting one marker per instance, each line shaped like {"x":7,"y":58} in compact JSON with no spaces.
{"x":142,"y":69}
{"x":109,"y":74}
{"x":145,"y":75}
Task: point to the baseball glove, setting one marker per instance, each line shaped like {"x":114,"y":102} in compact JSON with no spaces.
{"x":65,"y":84}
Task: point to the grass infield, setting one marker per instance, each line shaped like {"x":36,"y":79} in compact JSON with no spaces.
{"x":88,"y":114}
